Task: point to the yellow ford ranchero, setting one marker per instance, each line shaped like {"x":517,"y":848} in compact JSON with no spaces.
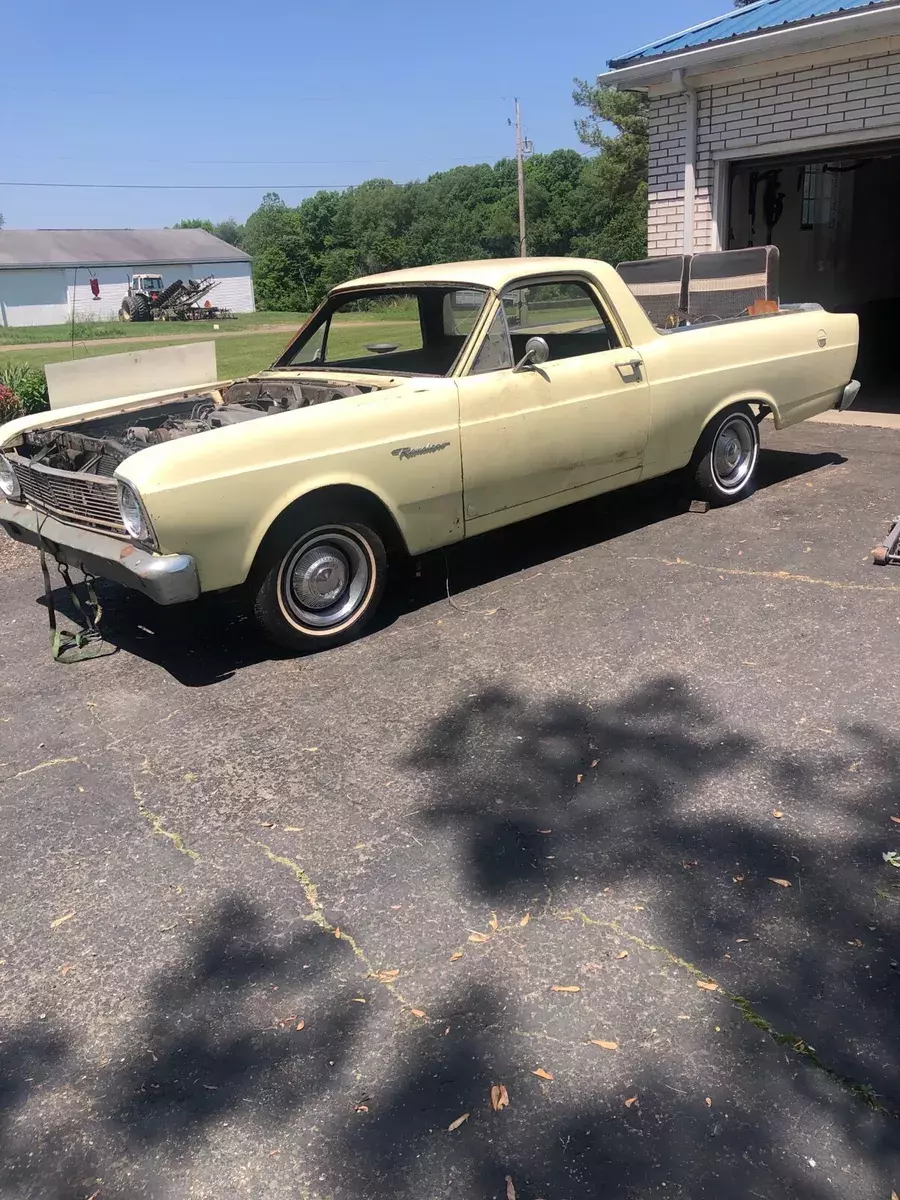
{"x":513,"y":386}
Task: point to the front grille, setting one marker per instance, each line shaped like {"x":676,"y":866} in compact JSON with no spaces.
{"x":79,"y":499}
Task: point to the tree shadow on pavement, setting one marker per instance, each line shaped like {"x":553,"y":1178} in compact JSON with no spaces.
{"x":218,"y":1039}
{"x":653,"y":816}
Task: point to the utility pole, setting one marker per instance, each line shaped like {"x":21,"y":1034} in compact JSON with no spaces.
{"x":523,"y":147}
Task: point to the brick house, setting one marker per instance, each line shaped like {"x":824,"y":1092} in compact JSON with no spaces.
{"x":779,"y":122}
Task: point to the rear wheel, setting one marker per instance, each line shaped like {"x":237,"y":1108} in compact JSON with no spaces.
{"x":320,"y":587}
{"x":140,"y":309}
{"x":727,"y":456}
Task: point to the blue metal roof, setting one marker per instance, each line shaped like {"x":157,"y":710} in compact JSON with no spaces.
{"x":742,"y":22}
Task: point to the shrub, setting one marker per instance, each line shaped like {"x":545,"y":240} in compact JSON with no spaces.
{"x":28,"y":387}
{"x":9,"y":404}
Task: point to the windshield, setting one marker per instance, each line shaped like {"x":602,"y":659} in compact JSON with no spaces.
{"x":392,"y":331}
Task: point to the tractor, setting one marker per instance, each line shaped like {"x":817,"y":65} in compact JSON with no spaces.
{"x":148,"y":300}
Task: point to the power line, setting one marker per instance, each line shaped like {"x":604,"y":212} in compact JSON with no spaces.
{"x":244,"y":162}
{"x":186,"y":187}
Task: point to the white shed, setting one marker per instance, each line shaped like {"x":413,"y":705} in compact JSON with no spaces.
{"x":44,"y":272}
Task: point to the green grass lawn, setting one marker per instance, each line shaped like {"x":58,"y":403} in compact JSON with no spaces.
{"x":86,"y":331}
{"x":235,"y":355}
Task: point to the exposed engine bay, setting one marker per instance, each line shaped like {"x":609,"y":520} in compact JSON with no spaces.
{"x":98,"y":446}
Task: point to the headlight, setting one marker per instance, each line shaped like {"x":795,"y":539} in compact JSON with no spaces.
{"x":9,"y":484}
{"x":133,"y":516}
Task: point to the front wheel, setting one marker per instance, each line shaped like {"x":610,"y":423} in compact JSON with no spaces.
{"x":727,"y":456}
{"x":320,"y":588}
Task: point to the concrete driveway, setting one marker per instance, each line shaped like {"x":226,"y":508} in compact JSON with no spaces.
{"x":606,"y":830}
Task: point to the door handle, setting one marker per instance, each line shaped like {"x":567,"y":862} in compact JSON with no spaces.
{"x":631,"y":370}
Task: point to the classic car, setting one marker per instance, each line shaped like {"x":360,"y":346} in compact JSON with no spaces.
{"x":509,"y":387}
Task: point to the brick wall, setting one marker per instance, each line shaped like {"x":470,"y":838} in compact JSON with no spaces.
{"x":840,"y":97}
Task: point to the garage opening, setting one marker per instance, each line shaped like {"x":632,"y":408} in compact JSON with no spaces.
{"x":834,"y":217}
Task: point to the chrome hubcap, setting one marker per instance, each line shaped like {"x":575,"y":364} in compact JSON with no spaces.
{"x":325,"y":578}
{"x":320,"y":577}
{"x":734,"y":453}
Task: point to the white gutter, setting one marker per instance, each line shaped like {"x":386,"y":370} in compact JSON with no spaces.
{"x":762,"y":46}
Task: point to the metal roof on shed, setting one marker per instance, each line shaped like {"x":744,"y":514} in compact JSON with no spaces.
{"x":742,"y":22}
{"x":112,"y":247}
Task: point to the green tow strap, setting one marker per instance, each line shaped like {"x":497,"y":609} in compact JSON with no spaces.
{"x":71,"y":646}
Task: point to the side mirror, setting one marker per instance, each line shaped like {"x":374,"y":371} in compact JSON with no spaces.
{"x":536,"y":353}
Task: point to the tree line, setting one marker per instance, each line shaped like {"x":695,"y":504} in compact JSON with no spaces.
{"x":593,"y":205}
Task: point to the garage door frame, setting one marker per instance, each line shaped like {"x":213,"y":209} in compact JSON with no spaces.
{"x":847,"y":145}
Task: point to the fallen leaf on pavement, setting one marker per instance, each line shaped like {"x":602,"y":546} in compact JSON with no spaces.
{"x":896,"y":821}
{"x":777,"y":813}
{"x":545,"y":831}
{"x":780,"y":882}
{"x":455,"y":955}
{"x":578,"y":778}
{"x":683,"y":1017}
{"x":478,"y":937}
{"x":622,"y":954}
{"x":525,"y":919}
{"x":738,"y":878}
{"x":300,"y":1025}
{"x":510,"y":1188}
{"x":499,"y":1097}
{"x":687,"y":865}
{"x":267,"y":824}
{"x":542,"y":1074}
{"x":631,"y":1100}
{"x":417,"y":1012}
{"x":605,"y":1045}
{"x":708,"y":1102}
{"x":565,"y":987}
{"x":61,"y":920}
{"x":739,"y":940}
{"x":362,"y":1107}
{"x":456,"y":1124}
{"x":359,"y":1000}
{"x":66,"y":968}
{"x":594,"y":762}
{"x":386,"y":976}
{"x":494,"y":924}
{"x":707,"y":985}
{"x":892,"y":858}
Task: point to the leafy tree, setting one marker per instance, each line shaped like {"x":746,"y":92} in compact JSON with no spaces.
{"x":1,"y":221}
{"x":614,"y":183}
{"x":195,"y":223}
{"x":229,"y":231}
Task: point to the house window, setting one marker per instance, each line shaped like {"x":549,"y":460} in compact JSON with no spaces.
{"x":818,"y":197}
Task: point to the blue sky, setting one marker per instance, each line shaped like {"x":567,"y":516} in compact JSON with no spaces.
{"x":283,"y":93}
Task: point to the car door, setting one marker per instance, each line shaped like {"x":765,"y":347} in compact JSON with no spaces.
{"x":538,"y":437}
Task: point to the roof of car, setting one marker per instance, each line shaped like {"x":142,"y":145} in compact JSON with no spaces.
{"x":490,"y":272}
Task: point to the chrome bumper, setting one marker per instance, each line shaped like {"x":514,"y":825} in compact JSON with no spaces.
{"x":165,"y":578}
{"x":849,"y":394}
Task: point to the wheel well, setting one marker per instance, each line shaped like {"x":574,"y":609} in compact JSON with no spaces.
{"x":346,"y":499}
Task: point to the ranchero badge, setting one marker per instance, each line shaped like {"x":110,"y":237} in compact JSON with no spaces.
{"x":415,"y":451}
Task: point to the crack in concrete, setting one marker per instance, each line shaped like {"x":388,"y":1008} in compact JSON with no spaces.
{"x":51,"y":762}
{"x":156,"y":823}
{"x":781,"y":576}
{"x":861,"y":1091}
{"x":318,"y":918}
